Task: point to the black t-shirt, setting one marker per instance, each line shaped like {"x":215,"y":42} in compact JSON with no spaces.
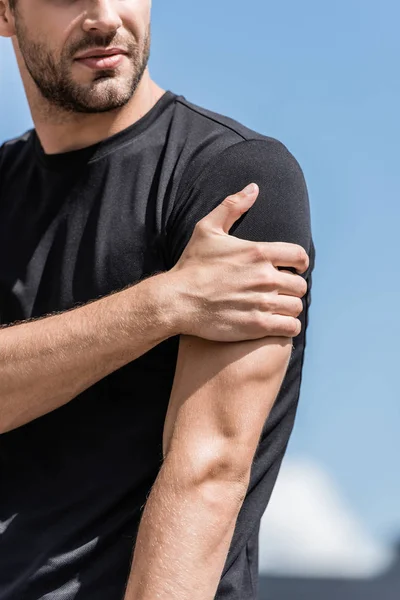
{"x":74,"y":227}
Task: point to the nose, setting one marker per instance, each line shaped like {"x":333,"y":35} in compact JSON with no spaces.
{"x":102,"y":17}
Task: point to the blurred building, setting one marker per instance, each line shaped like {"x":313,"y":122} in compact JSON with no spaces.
{"x":313,"y":547}
{"x":384,"y":587}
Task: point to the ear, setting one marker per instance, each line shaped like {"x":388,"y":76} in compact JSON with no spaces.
{"x":7,"y":24}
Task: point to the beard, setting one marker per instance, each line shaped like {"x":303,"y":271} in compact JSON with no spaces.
{"x":107,"y":91}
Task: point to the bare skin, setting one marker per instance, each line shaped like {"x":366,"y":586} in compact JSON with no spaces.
{"x":235,"y":310}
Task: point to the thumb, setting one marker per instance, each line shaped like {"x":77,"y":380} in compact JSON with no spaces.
{"x":232,"y":208}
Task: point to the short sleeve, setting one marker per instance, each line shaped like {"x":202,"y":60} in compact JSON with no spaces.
{"x":281,"y":212}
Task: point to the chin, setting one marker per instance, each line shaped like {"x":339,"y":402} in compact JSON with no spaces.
{"x":104,"y":101}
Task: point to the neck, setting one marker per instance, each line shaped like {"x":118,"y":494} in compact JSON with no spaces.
{"x":63,"y":132}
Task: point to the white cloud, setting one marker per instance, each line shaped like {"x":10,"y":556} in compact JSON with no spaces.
{"x":309,"y":531}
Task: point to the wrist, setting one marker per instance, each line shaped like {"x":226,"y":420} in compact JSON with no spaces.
{"x":166,"y":304}
{"x":185,"y":304}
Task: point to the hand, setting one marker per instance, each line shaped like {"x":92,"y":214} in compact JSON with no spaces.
{"x":232,"y":289}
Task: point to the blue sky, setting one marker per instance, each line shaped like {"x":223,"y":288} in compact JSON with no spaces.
{"x":323,"y":78}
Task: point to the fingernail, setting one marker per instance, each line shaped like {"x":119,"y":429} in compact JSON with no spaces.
{"x":250,"y":189}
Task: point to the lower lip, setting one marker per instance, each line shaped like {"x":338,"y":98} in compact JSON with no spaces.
{"x":102,"y":62}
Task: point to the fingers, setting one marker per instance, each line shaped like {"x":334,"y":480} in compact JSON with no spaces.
{"x":290,"y":284}
{"x":232,"y":208}
{"x":282,"y":326}
{"x":288,"y":306}
{"x":282,"y":254}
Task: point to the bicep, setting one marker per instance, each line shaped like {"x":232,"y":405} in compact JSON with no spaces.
{"x":223,"y":393}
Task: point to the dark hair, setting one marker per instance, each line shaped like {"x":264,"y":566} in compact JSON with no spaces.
{"x":12,"y":4}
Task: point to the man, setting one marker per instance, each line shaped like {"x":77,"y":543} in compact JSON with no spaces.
{"x":143,"y":345}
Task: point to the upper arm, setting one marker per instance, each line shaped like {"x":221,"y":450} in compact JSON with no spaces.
{"x":225,"y":391}
{"x":221,"y":396}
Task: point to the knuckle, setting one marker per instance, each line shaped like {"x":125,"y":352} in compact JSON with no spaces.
{"x":231,"y":201}
{"x":302,"y":257}
{"x":298,"y":307}
{"x":200,"y":227}
{"x":233,"y":198}
{"x":265,"y":304}
{"x":292,"y":327}
{"x":299,"y":286}
{"x":258,"y":320}
{"x":299,"y":252}
{"x":303,"y":287}
{"x":271,"y":278}
{"x":258,"y":252}
{"x":297,"y":327}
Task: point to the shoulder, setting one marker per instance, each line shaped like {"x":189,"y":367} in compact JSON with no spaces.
{"x":215,"y":142}
{"x":15,"y":150}
{"x":204,"y":120}
{"x":224,"y":162}
{"x":16,"y":144}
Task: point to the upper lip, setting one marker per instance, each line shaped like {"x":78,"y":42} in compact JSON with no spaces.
{"x":100,"y":52}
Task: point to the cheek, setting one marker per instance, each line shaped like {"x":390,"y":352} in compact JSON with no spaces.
{"x":48,"y":41}
{"x":55,"y":23}
{"x":136,"y":17}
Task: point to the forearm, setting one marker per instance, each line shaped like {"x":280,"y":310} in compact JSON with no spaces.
{"x":47,"y":362}
{"x":221,"y":397}
{"x":184,"y":535}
